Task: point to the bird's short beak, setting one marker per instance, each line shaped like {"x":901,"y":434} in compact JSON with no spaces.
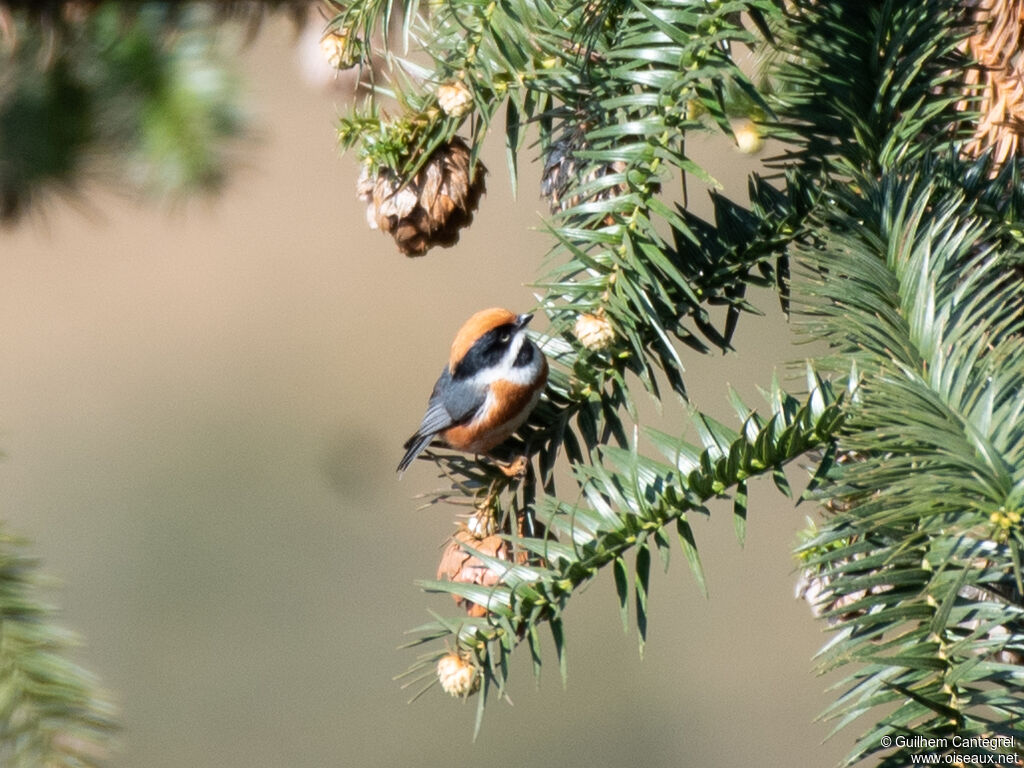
{"x":522,"y":320}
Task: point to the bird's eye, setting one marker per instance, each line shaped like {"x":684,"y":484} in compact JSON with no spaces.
{"x":505,"y":337}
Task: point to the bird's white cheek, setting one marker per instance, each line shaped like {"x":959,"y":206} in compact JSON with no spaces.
{"x":507,"y":370}
{"x":524,"y":377}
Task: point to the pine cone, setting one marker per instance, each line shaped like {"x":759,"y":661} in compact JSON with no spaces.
{"x":816,"y":589}
{"x":562,"y":169}
{"x":459,"y":565}
{"x":996,"y":43}
{"x":561,"y":166}
{"x":432,"y":208}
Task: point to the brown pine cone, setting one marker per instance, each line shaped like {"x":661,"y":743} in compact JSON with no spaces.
{"x":432,"y":208}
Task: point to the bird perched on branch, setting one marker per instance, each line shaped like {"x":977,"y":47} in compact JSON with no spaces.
{"x":494,"y":378}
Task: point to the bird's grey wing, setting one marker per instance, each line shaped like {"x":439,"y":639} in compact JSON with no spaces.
{"x":452,"y":402}
{"x":461,"y":399}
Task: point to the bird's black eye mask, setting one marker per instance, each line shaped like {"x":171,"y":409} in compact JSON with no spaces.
{"x":486,"y":352}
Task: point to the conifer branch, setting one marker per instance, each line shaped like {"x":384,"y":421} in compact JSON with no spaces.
{"x":631,"y":502}
{"x":52,"y":712}
{"x":918,"y":564}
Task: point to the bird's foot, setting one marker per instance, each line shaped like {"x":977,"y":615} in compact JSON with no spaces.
{"x":515,"y":468}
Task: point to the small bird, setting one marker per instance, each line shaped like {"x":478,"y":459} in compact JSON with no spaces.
{"x":494,"y":378}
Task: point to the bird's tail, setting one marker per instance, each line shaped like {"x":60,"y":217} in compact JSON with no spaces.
{"x":414,"y":447}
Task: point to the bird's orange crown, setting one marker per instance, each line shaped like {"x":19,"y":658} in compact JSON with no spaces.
{"x":479,"y":324}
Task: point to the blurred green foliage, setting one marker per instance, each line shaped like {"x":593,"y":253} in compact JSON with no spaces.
{"x":52,"y":712}
{"x":141,"y":96}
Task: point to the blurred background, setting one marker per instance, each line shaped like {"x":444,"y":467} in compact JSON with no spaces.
{"x":201,"y":409}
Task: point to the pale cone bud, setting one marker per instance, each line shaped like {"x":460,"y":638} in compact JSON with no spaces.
{"x":455,"y":98}
{"x":748,"y":138}
{"x":457,"y":676}
{"x":481,"y":523}
{"x":594,"y":331}
{"x":332,"y":45}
